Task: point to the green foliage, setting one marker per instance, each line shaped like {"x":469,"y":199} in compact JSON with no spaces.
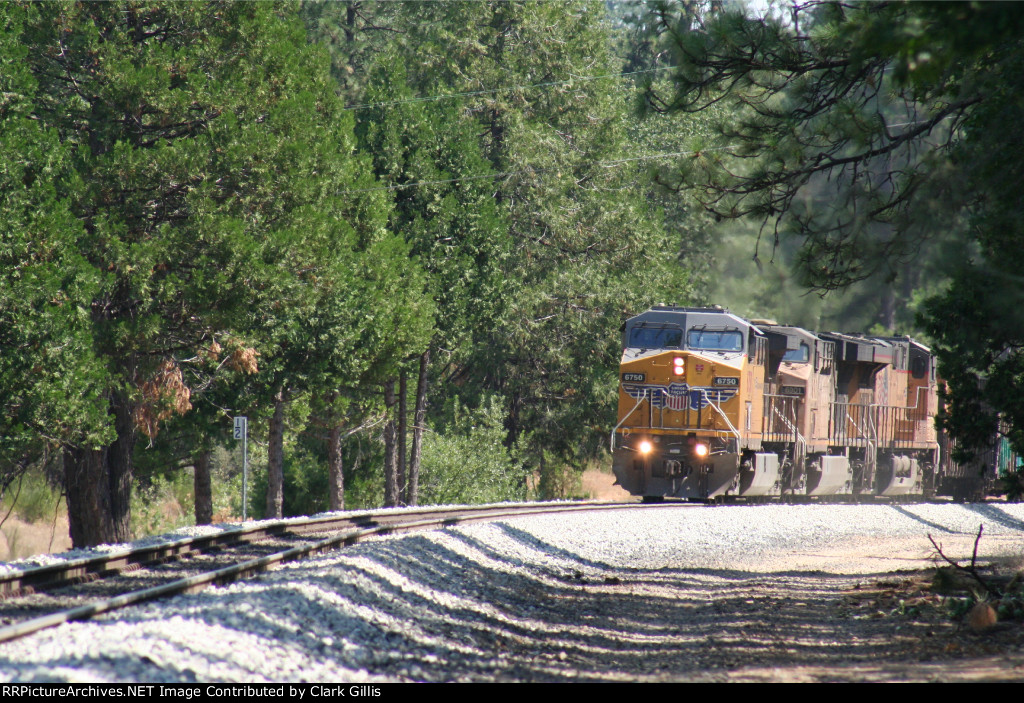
{"x":305,"y":484}
{"x":767,"y":287}
{"x":959,"y":607}
{"x":305,"y":474}
{"x":31,"y":497}
{"x":454,"y":227}
{"x":194,"y":222}
{"x":559,"y":481}
{"x":1011,"y":484}
{"x":226,"y":481}
{"x":190,"y":226}
{"x":978,"y":321}
{"x":364,"y":489}
{"x":589,"y":249}
{"x":305,"y":481}
{"x":162,"y":504}
{"x":256,"y":508}
{"x":49,"y":378}
{"x":519,"y":193}
{"x":465,"y":460}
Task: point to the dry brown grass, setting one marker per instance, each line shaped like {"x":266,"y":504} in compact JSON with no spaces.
{"x":20,"y":539}
{"x":599,"y":485}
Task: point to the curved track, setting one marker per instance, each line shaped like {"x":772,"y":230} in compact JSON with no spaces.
{"x":236,"y":557}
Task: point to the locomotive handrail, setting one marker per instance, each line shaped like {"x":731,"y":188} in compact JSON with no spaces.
{"x":793,"y":428}
{"x":735,"y":432}
{"x":883,"y":406}
{"x":647,"y":394}
{"x":872,"y":455}
{"x":863,"y":435}
{"x":917,"y":400}
{"x":643,"y":395}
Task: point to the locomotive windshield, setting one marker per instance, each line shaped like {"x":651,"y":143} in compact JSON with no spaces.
{"x":715,"y":340}
{"x":655,"y":337}
{"x":800,"y":356}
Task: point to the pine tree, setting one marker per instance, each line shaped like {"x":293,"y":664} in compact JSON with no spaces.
{"x":429,"y":155}
{"x":535,"y":83}
{"x":589,"y":250}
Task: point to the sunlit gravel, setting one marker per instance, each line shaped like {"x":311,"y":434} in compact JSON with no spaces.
{"x":510,"y":600}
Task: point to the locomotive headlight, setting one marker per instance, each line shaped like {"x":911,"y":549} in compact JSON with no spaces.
{"x":679,"y":366}
{"x":645,"y":447}
{"x":700,"y":450}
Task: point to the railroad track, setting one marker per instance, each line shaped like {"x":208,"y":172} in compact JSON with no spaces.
{"x":48,"y":596}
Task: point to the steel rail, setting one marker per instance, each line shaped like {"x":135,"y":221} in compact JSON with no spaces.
{"x":227,"y":574}
{"x":112,"y":563}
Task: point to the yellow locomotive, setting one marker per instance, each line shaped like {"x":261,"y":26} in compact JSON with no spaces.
{"x":712,"y":405}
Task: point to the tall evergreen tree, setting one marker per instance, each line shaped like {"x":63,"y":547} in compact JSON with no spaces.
{"x":49,"y":377}
{"x":588,"y":248}
{"x":538,"y":82}
{"x":208,"y":156}
{"x":430,"y":157}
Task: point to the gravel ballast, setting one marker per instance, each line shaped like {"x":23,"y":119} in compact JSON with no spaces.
{"x":671,"y":593}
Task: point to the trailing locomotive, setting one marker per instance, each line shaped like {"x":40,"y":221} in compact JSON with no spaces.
{"x":713,"y":405}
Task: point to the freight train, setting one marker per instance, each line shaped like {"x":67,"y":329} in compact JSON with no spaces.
{"x":712,"y":405}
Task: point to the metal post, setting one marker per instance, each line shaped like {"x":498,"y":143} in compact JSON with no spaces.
{"x":245,"y":472}
{"x":242,"y":433}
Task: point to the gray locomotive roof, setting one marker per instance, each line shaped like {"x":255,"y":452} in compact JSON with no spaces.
{"x":910,"y":340}
{"x":793,"y":335}
{"x":686,"y":318}
{"x":851,"y":347}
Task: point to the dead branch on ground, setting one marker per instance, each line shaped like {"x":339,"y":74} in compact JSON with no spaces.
{"x":971,"y":570}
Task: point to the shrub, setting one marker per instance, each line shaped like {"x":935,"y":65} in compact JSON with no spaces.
{"x":162,"y":504}
{"x":32,"y":497}
{"x":466,"y":461}
{"x":558,"y":481}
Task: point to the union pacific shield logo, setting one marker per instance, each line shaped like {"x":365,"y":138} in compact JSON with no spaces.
{"x":677,"y":396}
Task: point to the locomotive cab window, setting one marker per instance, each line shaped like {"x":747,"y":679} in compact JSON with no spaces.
{"x":918,"y":366}
{"x":800,"y":356}
{"x":715,"y":340}
{"x":655,"y":337}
